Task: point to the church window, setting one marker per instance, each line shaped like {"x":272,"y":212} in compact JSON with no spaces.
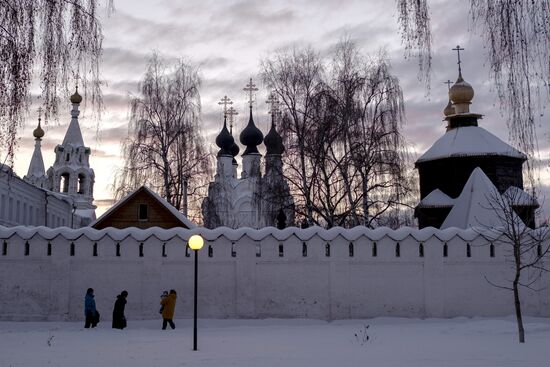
{"x":67,"y":157}
{"x":304,"y":249}
{"x":141,"y":249}
{"x":49,"y":250}
{"x":164,"y":249}
{"x":233,"y":250}
{"x":210,"y":251}
{"x":492,"y":250}
{"x":18,"y":212}
{"x":468,"y":250}
{"x":351,"y":249}
{"x":539,"y":250}
{"x":5,"y":249}
{"x":10,"y":210}
{"x":143,"y":212}
{"x":81,"y":183}
{"x":374,"y":249}
{"x":445,"y":250}
{"x":117,"y":249}
{"x":24,"y":214}
{"x":64,"y":184}
{"x":397,"y":250}
{"x":327,"y":249}
{"x":72,"y":249}
{"x":421,"y":249}
{"x":27,"y":248}
{"x":94,"y":251}
{"x":187,"y":253}
{"x":281,"y":250}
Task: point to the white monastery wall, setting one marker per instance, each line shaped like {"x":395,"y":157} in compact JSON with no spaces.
{"x":246,"y":273}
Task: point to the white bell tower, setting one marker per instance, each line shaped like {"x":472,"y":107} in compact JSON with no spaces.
{"x":71,"y":173}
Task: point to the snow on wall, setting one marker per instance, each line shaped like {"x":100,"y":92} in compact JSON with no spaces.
{"x":313,"y":273}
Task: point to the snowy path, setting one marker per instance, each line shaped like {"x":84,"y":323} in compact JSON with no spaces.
{"x":266,"y":343}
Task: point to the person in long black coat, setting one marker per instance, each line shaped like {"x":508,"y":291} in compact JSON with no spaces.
{"x":119,"y":320}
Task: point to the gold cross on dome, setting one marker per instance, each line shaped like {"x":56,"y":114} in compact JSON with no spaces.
{"x":448,"y":82}
{"x":39,"y":113}
{"x":230,"y":113}
{"x":458,"y":49}
{"x":225,"y":101}
{"x":273,"y":103}
{"x":250,"y":88}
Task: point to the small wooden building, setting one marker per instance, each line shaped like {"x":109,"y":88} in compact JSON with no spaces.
{"x":142,"y":208}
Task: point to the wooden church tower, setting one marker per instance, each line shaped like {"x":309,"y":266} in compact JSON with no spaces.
{"x":445,"y":168}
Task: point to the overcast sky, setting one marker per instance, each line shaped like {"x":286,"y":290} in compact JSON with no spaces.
{"x":228,"y":40}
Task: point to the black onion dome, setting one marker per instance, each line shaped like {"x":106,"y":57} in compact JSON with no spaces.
{"x":251,"y":137}
{"x":273,"y":142}
{"x":234,"y":150}
{"x":224,"y":140}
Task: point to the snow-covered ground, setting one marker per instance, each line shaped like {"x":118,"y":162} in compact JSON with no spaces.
{"x":392,"y":342}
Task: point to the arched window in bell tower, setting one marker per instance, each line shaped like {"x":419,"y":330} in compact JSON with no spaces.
{"x":81,"y":183}
{"x":64,"y":183}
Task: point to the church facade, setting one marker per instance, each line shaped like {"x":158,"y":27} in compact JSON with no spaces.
{"x":62,"y":196}
{"x":254,"y":200}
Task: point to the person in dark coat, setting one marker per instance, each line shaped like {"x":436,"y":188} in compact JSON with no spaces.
{"x":92,"y":316}
{"x":119,"y":320}
{"x":169,"y":304}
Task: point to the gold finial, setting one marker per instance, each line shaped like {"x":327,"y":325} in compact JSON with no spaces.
{"x":225,"y":101}
{"x":76,"y":98}
{"x":231,"y":112}
{"x":38,"y":133}
{"x":250,"y":88}
{"x":458,"y":49}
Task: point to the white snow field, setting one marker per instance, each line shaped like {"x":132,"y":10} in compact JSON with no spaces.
{"x":456,"y":342}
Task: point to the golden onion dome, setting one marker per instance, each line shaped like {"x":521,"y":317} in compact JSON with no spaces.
{"x":38,"y":133}
{"x":76,"y":98}
{"x":449,"y":109}
{"x":461,"y":92}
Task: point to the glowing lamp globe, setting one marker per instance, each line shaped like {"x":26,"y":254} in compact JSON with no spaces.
{"x":196,"y":242}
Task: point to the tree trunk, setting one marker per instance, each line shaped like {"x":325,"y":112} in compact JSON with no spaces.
{"x":517,"y":304}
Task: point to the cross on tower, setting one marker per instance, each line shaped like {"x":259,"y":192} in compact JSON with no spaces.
{"x":231,"y":112}
{"x":458,"y":49}
{"x":273,"y":103}
{"x":39,"y":114}
{"x":250,"y":88}
{"x":448,"y":82}
{"x":76,"y":78}
{"x":225,"y":101}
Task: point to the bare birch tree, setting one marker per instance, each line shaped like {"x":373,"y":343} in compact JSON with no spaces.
{"x":54,"y":42}
{"x":346,"y":158}
{"x":165,"y":149}
{"x":295,"y":76}
{"x":525,"y":248}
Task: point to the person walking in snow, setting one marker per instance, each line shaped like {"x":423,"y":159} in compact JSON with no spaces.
{"x":92,"y":316}
{"x":162,"y":296}
{"x":119,"y":320}
{"x":168,"y":304}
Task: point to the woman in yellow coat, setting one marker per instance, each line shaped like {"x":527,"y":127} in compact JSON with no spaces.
{"x":168,"y":306}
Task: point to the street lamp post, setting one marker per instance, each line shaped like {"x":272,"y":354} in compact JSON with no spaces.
{"x":195,"y":243}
